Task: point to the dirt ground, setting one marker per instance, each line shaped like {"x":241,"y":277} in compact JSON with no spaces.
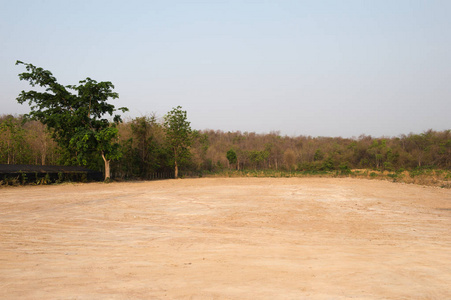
{"x":226,"y":238}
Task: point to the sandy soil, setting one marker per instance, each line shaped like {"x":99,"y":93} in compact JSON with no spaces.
{"x":247,"y":238}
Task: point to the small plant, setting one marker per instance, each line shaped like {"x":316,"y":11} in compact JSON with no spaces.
{"x":43,"y":180}
{"x":328,"y":164}
{"x":395,"y":176}
{"x":344,"y":169}
{"x":388,"y":166}
{"x":13,"y":180}
{"x":60,"y":177}
{"x":24,"y":178}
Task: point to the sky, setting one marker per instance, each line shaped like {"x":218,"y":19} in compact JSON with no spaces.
{"x":314,"y":68}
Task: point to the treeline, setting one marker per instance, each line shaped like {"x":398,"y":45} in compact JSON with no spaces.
{"x":145,"y":153}
{"x":26,"y":142}
{"x":431,"y":149}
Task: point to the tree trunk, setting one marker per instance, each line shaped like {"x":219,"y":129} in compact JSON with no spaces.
{"x":44,"y":151}
{"x":107,"y":167}
{"x":176,"y":167}
{"x":43,"y":157}
{"x":7,"y":151}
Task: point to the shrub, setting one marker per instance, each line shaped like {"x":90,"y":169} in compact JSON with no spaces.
{"x":344,"y":169}
{"x":60,"y":177}
{"x":24,"y":178}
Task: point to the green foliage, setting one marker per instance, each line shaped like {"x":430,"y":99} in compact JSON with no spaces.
{"x":395,"y":176}
{"x":258,"y":157}
{"x":315,"y":166}
{"x":345,"y":169}
{"x":231,"y":156}
{"x":319,"y":155}
{"x":87,"y":142}
{"x":378,"y":151}
{"x":178,"y":137}
{"x":328,"y":164}
{"x":60,"y":177}
{"x":147,"y":154}
{"x":75,"y":113}
{"x":419,"y":171}
{"x":388,"y":166}
{"x":24,"y":178}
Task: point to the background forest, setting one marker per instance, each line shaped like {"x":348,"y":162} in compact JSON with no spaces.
{"x":145,"y":153}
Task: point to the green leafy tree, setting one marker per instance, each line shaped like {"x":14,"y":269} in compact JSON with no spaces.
{"x":147,"y":150}
{"x":378,"y":150}
{"x":178,"y":137}
{"x":231,"y":157}
{"x":258,"y":157}
{"x":75,"y":113}
{"x":319,"y":155}
{"x":328,"y":164}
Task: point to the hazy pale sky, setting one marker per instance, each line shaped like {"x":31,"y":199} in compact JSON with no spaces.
{"x":320,"y":68}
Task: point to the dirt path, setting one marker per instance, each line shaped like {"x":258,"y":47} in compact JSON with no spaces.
{"x":247,"y":238}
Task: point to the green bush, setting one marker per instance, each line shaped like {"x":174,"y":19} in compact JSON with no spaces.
{"x":24,"y":178}
{"x":60,"y":177}
{"x":328,"y":164}
{"x":344,"y":169}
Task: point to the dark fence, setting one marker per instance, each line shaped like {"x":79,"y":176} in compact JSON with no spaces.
{"x":119,"y":175}
{"x":158,"y":175}
{"x":23,"y":174}
{"x":161,"y":175}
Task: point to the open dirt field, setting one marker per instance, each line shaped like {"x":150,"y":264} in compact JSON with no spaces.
{"x":229,"y":238}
